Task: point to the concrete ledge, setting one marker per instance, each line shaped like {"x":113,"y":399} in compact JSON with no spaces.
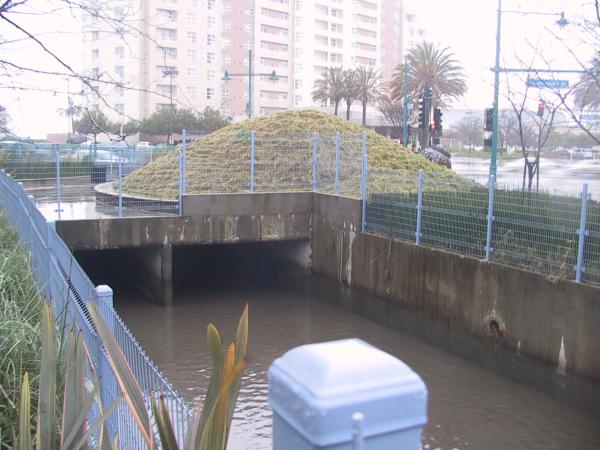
{"x":250,"y":204}
{"x":342,"y":212}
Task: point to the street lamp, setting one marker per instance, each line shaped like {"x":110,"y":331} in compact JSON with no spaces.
{"x":170,"y":72}
{"x":227,"y":76}
{"x":561,"y":22}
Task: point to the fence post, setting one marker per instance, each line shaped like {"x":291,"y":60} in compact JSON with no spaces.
{"x":58,"y":184}
{"x":252,"y":140}
{"x":104,"y":297}
{"x":180,"y":184}
{"x":183,"y":161}
{"x":120,"y":183}
{"x":338,"y":138}
{"x":419,"y":207}
{"x":363,"y":180}
{"x":580,"y":268}
{"x":346,"y":400}
{"x":314,"y":161}
{"x":490,"y":217}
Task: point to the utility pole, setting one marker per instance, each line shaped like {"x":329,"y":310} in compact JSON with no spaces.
{"x":496,"y":96}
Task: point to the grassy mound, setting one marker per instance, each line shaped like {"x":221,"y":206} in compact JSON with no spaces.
{"x":220,"y":162}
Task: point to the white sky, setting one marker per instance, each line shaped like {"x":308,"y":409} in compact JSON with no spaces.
{"x":468,"y":27}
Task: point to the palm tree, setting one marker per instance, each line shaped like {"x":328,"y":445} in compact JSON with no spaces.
{"x":430,"y":67}
{"x":329,"y":87}
{"x":368,"y":88}
{"x":349,"y":89}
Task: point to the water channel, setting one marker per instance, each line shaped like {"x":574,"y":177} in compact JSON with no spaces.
{"x":470,"y":407}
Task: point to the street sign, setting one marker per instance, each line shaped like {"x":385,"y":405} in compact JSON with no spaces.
{"x":594,"y":117}
{"x":542,"y":83}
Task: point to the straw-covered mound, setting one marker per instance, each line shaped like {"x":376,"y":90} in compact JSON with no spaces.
{"x":220,"y":162}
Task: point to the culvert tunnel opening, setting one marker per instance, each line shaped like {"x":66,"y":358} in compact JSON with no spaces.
{"x":201,"y":269}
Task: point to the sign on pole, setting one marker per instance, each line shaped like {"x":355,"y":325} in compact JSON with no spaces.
{"x":545,"y":83}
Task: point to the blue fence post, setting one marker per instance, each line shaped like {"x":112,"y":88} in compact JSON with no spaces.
{"x":180,"y":184}
{"x":338,"y":139}
{"x":363,"y":180}
{"x":315,"y":138}
{"x":104,"y":297}
{"x":120,"y":182}
{"x":58,"y":182}
{"x":490,"y":217}
{"x":580,"y":268}
{"x":183,"y":161}
{"x":252,"y":141}
{"x":419,"y":206}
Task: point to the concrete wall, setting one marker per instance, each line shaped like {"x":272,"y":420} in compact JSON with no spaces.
{"x":208,"y":219}
{"x":554,"y":323}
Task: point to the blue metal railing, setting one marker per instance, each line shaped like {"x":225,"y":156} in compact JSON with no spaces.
{"x":66,"y":284}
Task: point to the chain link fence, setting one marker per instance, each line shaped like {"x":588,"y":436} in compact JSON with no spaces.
{"x":65,"y":284}
{"x":556,"y":234}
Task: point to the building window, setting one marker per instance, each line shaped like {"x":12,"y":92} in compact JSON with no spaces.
{"x":167,"y":14}
{"x":297,"y":99}
{"x":248,"y":45}
{"x":191,"y":72}
{"x":120,"y":52}
{"x":95,"y":53}
{"x":249,"y":11}
{"x":210,"y":39}
{"x":225,"y":42}
{"x":226,"y":60}
{"x":227,"y":7}
{"x":299,"y":36}
{"x":226,"y":94}
{"x":191,"y":35}
{"x":226,"y":112}
{"x":119,"y":14}
{"x":210,"y":57}
{"x":167,"y":34}
{"x":120,"y":108}
{"x":210,"y":20}
{"x":192,"y":17}
{"x":191,"y":91}
{"x":211,"y":4}
{"x":191,"y":54}
{"x":120,"y":71}
{"x":248,"y":28}
{"x":168,"y":52}
{"x":120,"y":91}
{"x":227,"y":25}
{"x":410,"y":18}
{"x":297,"y":68}
{"x":298,"y":52}
{"x":210,"y":74}
{"x":95,"y":72}
{"x":210,"y":93}
{"x":298,"y":5}
{"x":95,"y":35}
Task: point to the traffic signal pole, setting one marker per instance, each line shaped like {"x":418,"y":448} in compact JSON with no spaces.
{"x":496,"y":97}
{"x":405,"y":106}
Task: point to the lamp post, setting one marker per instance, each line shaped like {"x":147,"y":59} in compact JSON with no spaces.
{"x":561,"y":22}
{"x":227,"y":76}
{"x":170,"y":72}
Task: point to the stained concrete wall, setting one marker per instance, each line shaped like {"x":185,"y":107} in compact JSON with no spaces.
{"x":208,"y":219}
{"x":554,"y":323}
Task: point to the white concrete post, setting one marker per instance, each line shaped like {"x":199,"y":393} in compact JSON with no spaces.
{"x":104,"y":294}
{"x":345,"y":395}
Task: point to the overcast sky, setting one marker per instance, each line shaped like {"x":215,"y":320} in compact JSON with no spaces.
{"x":468,"y":27}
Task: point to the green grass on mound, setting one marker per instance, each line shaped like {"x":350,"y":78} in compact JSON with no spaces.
{"x":220,"y":161}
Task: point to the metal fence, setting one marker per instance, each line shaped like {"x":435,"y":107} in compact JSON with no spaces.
{"x":68,"y":288}
{"x":556,"y":234}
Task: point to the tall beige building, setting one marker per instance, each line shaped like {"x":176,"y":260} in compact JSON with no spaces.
{"x":149,"y":54}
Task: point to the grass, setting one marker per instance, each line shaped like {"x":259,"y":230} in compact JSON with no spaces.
{"x":20,"y":312}
{"x":220,"y":161}
{"x":533,"y":231}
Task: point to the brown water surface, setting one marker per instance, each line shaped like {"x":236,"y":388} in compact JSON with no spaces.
{"x":470,"y":407}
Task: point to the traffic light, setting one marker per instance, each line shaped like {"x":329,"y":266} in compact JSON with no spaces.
{"x":541,"y":108}
{"x":437,"y":121}
{"x":488,"y":119}
{"x":421,"y":112}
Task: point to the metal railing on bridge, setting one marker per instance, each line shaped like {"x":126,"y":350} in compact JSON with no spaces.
{"x":68,"y":288}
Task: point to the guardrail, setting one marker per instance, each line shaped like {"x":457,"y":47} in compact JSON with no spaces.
{"x":67,"y":286}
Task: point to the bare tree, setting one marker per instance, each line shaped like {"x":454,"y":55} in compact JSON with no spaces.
{"x":470,"y":129}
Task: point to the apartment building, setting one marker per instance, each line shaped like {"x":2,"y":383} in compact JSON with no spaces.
{"x":151,"y":54}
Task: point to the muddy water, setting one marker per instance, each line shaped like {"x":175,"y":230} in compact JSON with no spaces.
{"x":469,"y":407}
